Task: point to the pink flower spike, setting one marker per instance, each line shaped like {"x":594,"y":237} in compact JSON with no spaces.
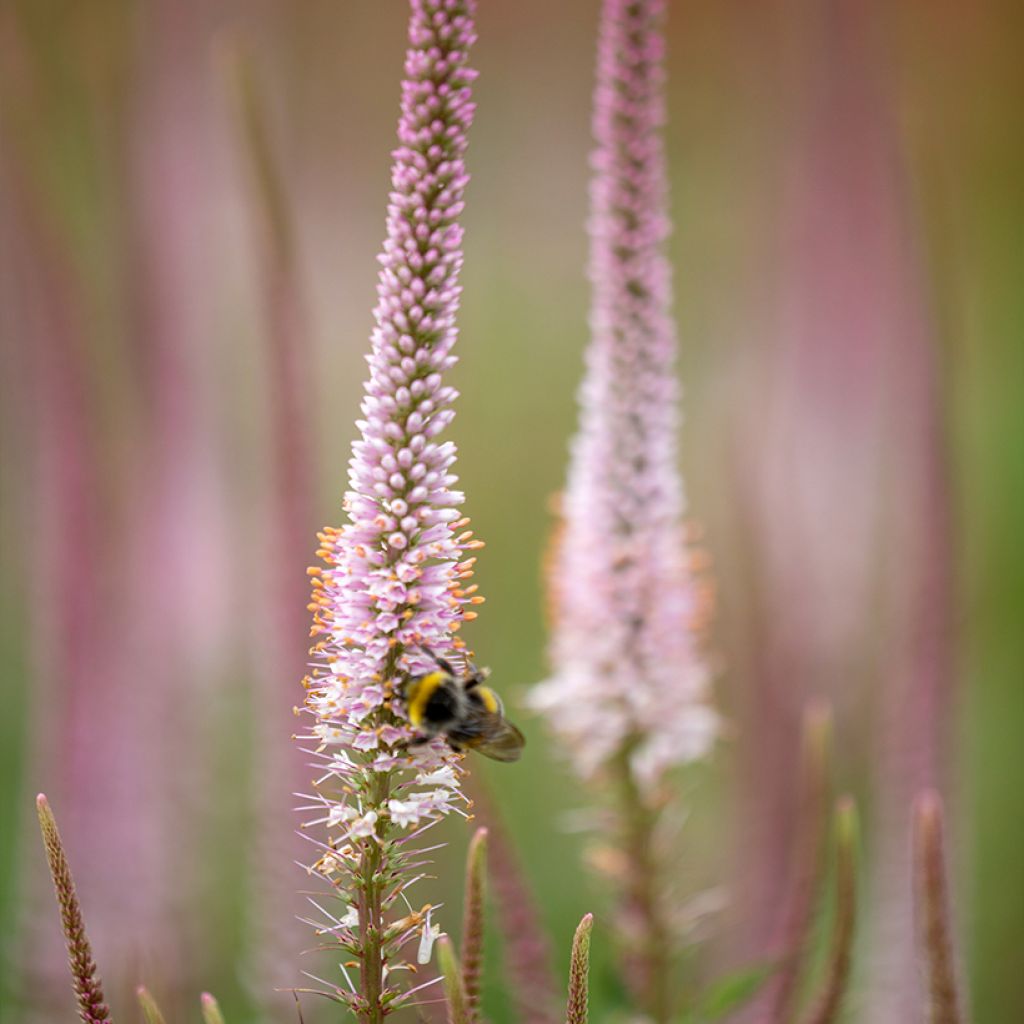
{"x":395,"y":575}
{"x":627,"y":610}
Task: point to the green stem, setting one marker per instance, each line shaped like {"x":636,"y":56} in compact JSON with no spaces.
{"x":371,"y":918}
{"x":651,"y":965}
{"x":372,"y":1009}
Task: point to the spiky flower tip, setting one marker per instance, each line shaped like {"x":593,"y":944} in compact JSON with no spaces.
{"x":88,"y":988}
{"x":944,"y":1005}
{"x":627,"y":605}
{"x":396,"y":575}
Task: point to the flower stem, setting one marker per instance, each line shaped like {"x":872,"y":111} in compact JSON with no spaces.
{"x":371,"y":917}
{"x":649,"y":973}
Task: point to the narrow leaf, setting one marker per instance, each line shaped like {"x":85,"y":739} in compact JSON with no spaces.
{"x":251,"y":116}
{"x":88,"y":988}
{"x":473,"y":923}
{"x":826,"y":1007}
{"x":211,"y":1010}
{"x":150,"y":1010}
{"x":452,"y":975}
{"x":808,"y":859}
{"x":579,"y":973}
{"x":935,"y":931}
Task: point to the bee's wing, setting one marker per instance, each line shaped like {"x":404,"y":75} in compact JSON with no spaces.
{"x":504,"y":744}
{"x":490,"y":734}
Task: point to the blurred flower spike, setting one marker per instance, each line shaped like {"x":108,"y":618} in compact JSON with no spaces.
{"x":396,"y":575}
{"x":627,"y":608}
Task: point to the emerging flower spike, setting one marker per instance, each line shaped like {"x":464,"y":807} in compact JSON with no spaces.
{"x":150,"y":1009}
{"x":88,"y":988}
{"x":935,"y":939}
{"x":579,"y":973}
{"x":625,"y":605}
{"x":211,"y":1009}
{"x":473,"y":923}
{"x":396,"y":574}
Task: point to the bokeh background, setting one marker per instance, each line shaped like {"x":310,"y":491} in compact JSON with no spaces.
{"x":191,"y":198}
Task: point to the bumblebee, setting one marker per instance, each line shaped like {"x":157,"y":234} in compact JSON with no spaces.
{"x":460,"y":708}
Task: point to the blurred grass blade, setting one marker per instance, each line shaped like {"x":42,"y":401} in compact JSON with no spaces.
{"x":935,"y":932}
{"x":808,"y":861}
{"x":450,"y":972}
{"x":579,"y":972}
{"x":729,"y":994}
{"x":88,"y":986}
{"x":249,"y":110}
{"x":211,"y":1010}
{"x":150,"y":1010}
{"x":473,"y":923}
{"x":829,"y":1002}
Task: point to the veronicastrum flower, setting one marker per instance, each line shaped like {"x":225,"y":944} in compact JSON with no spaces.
{"x":396,"y":572}
{"x":628,"y":695}
{"x":626,"y":606}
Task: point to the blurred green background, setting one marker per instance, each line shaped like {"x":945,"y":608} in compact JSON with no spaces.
{"x":846,"y":190}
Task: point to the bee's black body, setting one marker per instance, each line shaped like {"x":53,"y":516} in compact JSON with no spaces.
{"x":463,"y":710}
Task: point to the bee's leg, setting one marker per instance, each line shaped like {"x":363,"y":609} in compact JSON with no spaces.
{"x":476,"y":678}
{"x":446,"y":665}
{"x":419,"y":741}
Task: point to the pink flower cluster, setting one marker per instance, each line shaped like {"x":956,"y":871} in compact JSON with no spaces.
{"x":397,"y":572}
{"x":628,"y":675}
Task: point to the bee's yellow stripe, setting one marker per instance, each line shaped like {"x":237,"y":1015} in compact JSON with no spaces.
{"x":490,"y":699}
{"x":422,"y":690}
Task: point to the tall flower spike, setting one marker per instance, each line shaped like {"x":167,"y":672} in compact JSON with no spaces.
{"x":625,"y":604}
{"x":395,"y":581}
{"x":627,"y":610}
